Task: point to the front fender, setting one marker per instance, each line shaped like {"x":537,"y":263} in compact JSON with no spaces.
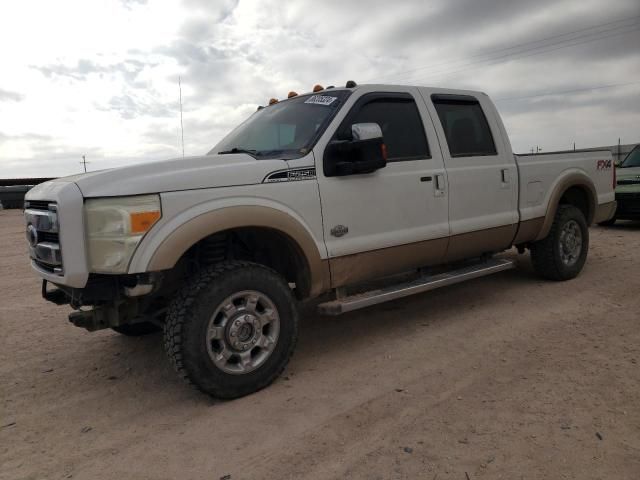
{"x":165,"y":244}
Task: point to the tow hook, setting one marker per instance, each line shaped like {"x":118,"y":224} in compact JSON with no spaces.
{"x":57,"y":295}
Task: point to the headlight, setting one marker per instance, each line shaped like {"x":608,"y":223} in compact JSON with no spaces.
{"x":115,"y":226}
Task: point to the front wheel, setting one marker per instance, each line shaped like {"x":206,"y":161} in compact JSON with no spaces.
{"x":563,"y":252}
{"x":232,"y":330}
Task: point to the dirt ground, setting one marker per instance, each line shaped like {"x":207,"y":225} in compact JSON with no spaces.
{"x":503,"y":377}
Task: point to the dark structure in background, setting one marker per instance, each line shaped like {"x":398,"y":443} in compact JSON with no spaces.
{"x":13,"y":190}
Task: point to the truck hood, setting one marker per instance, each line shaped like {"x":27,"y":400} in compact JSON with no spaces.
{"x":207,"y":171}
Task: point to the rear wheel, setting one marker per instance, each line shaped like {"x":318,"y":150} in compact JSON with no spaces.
{"x":232,"y":330}
{"x":562,"y":254}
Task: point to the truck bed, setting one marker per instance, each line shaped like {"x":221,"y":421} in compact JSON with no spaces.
{"x":540,"y":173}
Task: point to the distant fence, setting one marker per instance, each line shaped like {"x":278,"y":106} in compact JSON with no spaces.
{"x":13,"y":190}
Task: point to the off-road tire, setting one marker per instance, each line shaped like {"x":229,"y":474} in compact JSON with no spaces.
{"x":137,"y":329}
{"x":545,"y":253}
{"x":188,"y":318}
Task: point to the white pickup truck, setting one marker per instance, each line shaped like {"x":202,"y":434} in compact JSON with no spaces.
{"x":352,"y":195}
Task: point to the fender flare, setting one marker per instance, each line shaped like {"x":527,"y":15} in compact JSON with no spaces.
{"x":178,"y":240}
{"x":574,"y":179}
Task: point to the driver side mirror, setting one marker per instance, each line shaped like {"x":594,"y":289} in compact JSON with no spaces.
{"x":364,"y":153}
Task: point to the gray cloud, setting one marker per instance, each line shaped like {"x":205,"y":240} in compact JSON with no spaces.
{"x":131,"y":3}
{"x":232,"y":57}
{"x":129,"y":69}
{"x":129,"y":107}
{"x":10,"y":96}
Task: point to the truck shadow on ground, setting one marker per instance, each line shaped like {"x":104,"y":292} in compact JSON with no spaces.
{"x":321,"y":338}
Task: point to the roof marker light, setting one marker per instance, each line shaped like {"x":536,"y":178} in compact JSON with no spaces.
{"x":318,"y":88}
{"x":272,"y":101}
{"x":351,"y":84}
{"x":292,"y":94}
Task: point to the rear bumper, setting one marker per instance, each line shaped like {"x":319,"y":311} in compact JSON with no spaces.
{"x":604,"y":212}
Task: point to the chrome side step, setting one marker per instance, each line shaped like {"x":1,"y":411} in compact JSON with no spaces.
{"x":422,"y":284}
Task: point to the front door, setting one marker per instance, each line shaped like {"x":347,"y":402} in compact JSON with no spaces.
{"x":395,"y":218}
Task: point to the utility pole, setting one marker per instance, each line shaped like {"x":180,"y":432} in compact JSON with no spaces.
{"x":618,"y":149}
{"x":574,"y":146}
{"x":84,"y":163}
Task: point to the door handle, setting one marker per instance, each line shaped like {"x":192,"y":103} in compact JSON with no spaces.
{"x":506,"y":179}
{"x":425,"y":179}
{"x":439,"y":186}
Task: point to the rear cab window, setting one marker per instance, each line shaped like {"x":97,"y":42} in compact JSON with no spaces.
{"x":465,"y":126}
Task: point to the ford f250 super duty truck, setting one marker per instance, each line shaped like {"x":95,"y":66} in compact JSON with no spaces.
{"x":352,"y":196}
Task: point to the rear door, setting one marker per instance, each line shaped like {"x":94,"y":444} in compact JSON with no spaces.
{"x":394,"y":218}
{"x":482,"y":175}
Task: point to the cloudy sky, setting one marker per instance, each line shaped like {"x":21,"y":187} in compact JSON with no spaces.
{"x":100,"y":78}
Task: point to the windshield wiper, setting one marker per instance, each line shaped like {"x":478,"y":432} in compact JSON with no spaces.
{"x":239,"y":150}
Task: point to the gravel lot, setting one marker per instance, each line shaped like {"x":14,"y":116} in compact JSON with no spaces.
{"x":503,"y":377}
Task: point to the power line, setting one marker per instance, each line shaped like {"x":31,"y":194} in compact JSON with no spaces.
{"x":502,"y":59}
{"x":464,"y":62}
{"x":561,"y":92}
{"x":516,"y":46}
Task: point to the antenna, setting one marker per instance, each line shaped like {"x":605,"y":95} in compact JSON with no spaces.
{"x":181,"y":125}
{"x":84,"y":163}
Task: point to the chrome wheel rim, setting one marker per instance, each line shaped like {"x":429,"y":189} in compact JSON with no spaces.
{"x":243,"y":332}
{"x":570,"y":242}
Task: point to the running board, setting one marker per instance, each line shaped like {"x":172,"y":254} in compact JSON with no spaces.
{"x":422,"y":284}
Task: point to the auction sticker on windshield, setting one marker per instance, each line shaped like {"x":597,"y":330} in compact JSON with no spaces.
{"x":321,"y":99}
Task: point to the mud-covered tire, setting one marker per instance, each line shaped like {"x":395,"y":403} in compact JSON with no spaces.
{"x":549,"y":255}
{"x":137,"y":329}
{"x":191,"y":318}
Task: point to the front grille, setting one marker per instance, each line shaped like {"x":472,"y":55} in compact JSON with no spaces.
{"x":628,"y":196}
{"x":44,"y":266}
{"x":52,"y":237}
{"x":43,"y":233}
{"x":38,"y":204}
{"x":628,"y":204}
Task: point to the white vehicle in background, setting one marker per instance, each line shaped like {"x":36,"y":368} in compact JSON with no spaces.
{"x":412,"y":188}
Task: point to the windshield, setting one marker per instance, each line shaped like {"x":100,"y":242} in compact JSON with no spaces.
{"x":288,"y":128}
{"x":633,"y":159}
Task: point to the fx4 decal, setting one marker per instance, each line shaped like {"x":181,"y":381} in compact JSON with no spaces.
{"x":603,"y":164}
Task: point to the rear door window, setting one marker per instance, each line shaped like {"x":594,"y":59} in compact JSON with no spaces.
{"x":465,"y":126}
